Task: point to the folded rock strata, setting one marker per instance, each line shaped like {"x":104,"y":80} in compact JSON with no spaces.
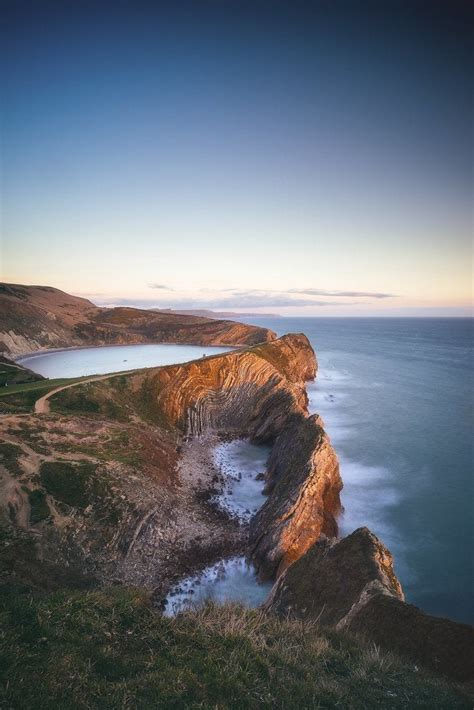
{"x":257,"y":393}
{"x":303,"y":483}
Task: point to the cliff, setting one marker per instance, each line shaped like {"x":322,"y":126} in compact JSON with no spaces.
{"x":37,"y":317}
{"x":303,"y":483}
{"x":350,"y":584}
{"x":257,"y":393}
{"x":144,"y":434}
{"x":331,"y":577}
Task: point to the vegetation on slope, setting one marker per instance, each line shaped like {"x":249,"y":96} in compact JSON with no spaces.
{"x":112,"y":650}
{"x":22,"y":397}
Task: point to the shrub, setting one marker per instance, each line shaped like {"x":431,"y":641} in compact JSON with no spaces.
{"x":70,"y":483}
{"x":39,"y":506}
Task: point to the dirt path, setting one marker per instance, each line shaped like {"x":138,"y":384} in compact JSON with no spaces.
{"x":42,"y":405}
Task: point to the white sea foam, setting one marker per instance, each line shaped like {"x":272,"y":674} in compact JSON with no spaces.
{"x":369,"y":490}
{"x":241,"y":462}
{"x":232,"y":579}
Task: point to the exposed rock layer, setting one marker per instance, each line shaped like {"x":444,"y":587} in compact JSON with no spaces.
{"x":37,"y":317}
{"x":303,"y":483}
{"x":250,"y":392}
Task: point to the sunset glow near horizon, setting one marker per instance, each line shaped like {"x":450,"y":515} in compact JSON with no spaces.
{"x":303,"y":158}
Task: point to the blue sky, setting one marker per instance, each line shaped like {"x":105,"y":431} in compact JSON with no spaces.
{"x":303,"y":158}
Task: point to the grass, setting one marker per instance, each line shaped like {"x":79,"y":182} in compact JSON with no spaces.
{"x":109,"y":649}
{"x":92,"y":398}
{"x":11,"y":374}
{"x":22,"y":398}
{"x":112,"y":399}
{"x":39,"y":387}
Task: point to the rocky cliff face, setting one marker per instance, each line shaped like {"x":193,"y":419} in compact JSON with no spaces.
{"x":259,"y":393}
{"x":38,"y":317}
{"x":350,"y":584}
{"x":303,"y":483}
{"x":248,"y":393}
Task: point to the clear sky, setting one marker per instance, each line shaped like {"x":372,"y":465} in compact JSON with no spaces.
{"x":307,"y":158}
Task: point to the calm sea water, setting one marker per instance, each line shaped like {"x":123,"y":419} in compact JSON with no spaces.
{"x":396,"y":396}
{"x":114,"y":358}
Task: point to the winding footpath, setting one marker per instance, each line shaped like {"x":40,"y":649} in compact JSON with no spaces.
{"x":42,"y":405}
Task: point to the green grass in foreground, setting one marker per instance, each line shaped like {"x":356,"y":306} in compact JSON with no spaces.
{"x":39,"y":387}
{"x":111,"y":650}
{"x":22,"y":398}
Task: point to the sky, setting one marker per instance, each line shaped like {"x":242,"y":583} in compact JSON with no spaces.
{"x":301,"y":158}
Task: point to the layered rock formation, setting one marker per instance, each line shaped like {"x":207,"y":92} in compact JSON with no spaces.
{"x":257,"y":393}
{"x":350,"y":584}
{"x":249,"y":393}
{"x":303,"y":483}
{"x":37,"y":317}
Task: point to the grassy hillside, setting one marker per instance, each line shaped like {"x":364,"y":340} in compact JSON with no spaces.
{"x":110,"y":649}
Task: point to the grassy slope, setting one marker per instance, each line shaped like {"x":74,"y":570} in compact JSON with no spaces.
{"x":22,"y":397}
{"x":111,"y":650}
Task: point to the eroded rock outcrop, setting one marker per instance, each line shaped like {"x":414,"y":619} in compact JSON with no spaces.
{"x":330,"y":579}
{"x":303,"y":483}
{"x":257,"y":393}
{"x":260,"y":393}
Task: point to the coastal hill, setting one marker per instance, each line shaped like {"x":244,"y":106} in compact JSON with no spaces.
{"x":38,"y":317}
{"x":207,"y":313}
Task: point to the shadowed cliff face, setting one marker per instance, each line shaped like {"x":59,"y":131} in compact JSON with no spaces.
{"x":330,"y":578}
{"x":38,"y":317}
